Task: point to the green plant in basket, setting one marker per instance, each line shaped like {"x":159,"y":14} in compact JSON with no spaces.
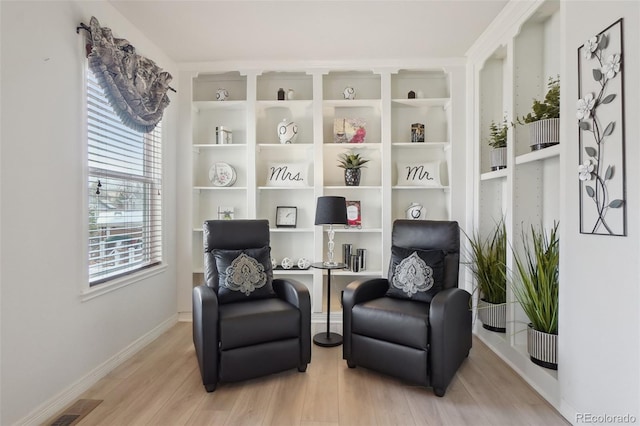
{"x":351,"y":160}
{"x":547,"y":108}
{"x":536,"y":286}
{"x":487,"y":262}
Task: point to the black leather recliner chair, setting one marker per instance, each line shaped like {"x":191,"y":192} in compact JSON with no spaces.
{"x":422,"y":337}
{"x":249,"y":326}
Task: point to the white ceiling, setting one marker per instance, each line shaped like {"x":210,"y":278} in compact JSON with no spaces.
{"x":242,"y":30}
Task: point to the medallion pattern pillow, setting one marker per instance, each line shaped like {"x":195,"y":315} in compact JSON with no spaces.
{"x":244,"y":274}
{"x":415,"y":274}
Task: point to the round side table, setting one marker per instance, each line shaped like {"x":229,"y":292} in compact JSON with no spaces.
{"x":328,"y":339}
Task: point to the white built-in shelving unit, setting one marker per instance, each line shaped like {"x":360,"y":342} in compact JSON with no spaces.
{"x":508,"y":68}
{"x":252,"y":112}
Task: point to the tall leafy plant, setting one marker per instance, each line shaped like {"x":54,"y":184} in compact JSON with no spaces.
{"x":536,"y":286}
{"x":488,"y":263}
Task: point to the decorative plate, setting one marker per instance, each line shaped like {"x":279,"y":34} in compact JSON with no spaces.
{"x":222,"y":174}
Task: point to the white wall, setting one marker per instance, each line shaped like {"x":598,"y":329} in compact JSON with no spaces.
{"x":600,"y":297}
{"x":50,"y":338}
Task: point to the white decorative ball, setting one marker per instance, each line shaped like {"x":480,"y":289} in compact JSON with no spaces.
{"x":287,"y":263}
{"x":304,"y":263}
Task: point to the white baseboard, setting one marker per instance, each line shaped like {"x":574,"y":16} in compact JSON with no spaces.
{"x":49,"y":408}
{"x":185,"y":316}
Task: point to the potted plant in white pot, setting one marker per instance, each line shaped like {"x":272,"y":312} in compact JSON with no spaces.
{"x":487,"y":261}
{"x":498,"y":141}
{"x":544,"y":120}
{"x":536,"y":289}
{"x":351,"y":163}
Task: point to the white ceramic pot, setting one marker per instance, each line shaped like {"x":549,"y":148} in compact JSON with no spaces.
{"x":544,"y":133}
{"x":493,"y":316}
{"x":542,"y":348}
{"x":287,"y":132}
{"x":498,"y":158}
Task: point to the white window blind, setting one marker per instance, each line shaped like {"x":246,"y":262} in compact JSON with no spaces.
{"x":125,"y":204}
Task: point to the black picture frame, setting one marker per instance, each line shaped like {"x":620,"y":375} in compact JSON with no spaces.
{"x":286,"y":216}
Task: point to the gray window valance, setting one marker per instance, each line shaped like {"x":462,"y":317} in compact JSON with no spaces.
{"x":135,"y":86}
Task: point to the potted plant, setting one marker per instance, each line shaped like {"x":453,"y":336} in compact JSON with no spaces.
{"x":351,"y":163}
{"x":487,"y":262}
{"x":544,"y":120}
{"x":536,"y":289}
{"x":498,"y":141}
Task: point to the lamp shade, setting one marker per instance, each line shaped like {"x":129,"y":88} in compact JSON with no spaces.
{"x":331,"y":211}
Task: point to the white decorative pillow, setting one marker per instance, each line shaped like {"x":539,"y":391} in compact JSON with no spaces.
{"x":419,"y":174}
{"x":412,"y":275}
{"x":287,"y":174}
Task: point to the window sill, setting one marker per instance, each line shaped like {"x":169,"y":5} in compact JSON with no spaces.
{"x":118,"y":283}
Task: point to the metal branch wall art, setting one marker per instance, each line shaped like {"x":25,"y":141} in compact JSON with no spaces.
{"x":600,"y":114}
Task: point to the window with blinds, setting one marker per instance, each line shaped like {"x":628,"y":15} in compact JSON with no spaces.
{"x":124,"y":184}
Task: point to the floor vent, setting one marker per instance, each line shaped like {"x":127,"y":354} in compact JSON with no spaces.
{"x":65,"y":420}
{"x":74,"y":413}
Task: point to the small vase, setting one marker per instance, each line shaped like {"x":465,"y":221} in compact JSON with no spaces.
{"x":352,"y":177}
{"x":287,"y":132}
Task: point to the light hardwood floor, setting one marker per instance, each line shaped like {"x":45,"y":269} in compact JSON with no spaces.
{"x":161,"y":386}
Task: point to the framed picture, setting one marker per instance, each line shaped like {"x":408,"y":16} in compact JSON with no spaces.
{"x":349,"y":130}
{"x":354,"y":214}
{"x":225,"y":213}
{"x":286,"y":216}
{"x":417,"y":132}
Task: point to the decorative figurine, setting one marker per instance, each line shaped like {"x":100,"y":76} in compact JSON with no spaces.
{"x":415,"y":211}
{"x":222,"y":94}
{"x":349,"y":93}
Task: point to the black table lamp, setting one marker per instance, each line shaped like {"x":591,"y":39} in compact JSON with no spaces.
{"x":331,"y":211}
